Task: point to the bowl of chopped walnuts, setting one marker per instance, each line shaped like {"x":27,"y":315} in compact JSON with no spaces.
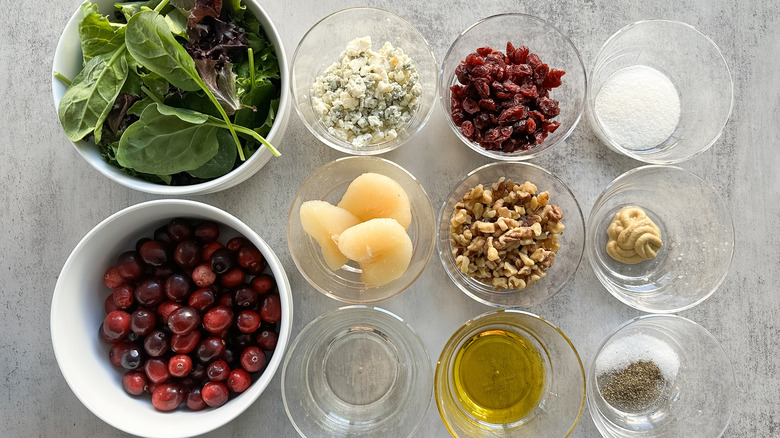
{"x":364,"y":80}
{"x":511,"y":234}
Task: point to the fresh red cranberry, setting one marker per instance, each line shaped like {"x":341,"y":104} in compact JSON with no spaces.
{"x":179,"y":229}
{"x":183,"y":320}
{"x":262,"y":284}
{"x":153,"y":253}
{"x":112,"y":278}
{"x":252,"y":359}
{"x":218,"y":370}
{"x":221,"y":261}
{"x":226,"y":300}
{"x":195,"y":400}
{"x":210,"y":349}
{"x":115,"y":353}
{"x":248,"y":321}
{"x":236,"y":243}
{"x":202,"y":299}
{"x":232,"y":278}
{"x":272,"y":309}
{"x":218,"y":319}
{"x":109,"y":305}
{"x":203,"y":276}
{"x":209,"y":249}
{"x":177,"y":287}
{"x":215,"y":394}
{"x":134,"y":382}
{"x":184,"y":344}
{"x":151,"y":386}
{"x":116,"y":325}
{"x":239,"y":380}
{"x":207,"y":231}
{"x":244,"y":296}
{"x":187,"y":254}
{"x":132,"y":357}
{"x":128,"y":264}
{"x":104,"y":338}
{"x":242,"y":340}
{"x":142,"y":321}
{"x":198,"y":372}
{"x":251,"y":259}
{"x":167,"y":397}
{"x":123,"y":296}
{"x":149,"y":292}
{"x":156,"y":343}
{"x":179,"y":365}
{"x":156,"y":370}
{"x":166,"y":308}
{"x":267,"y":340}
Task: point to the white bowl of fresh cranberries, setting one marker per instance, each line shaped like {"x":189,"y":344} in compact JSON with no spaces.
{"x":170,"y":318}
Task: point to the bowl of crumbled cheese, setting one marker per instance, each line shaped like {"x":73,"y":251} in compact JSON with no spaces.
{"x":364,"y":80}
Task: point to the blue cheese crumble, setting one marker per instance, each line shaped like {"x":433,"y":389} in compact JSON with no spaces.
{"x":367,"y":97}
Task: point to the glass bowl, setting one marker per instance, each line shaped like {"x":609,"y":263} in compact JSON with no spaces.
{"x":322,"y":45}
{"x":509,"y":373}
{"x":693,"y":390}
{"x":553,"y":47}
{"x":328,"y":183}
{"x":697,"y":233}
{"x":69,"y":62}
{"x":572,"y":240}
{"x":694,"y":65}
{"x":77,"y":311}
{"x":357,"y":371}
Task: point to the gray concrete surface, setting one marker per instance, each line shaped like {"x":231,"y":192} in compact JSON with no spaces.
{"x":51,"y":198}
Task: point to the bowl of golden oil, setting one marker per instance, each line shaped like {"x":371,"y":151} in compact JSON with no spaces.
{"x":509,"y":373}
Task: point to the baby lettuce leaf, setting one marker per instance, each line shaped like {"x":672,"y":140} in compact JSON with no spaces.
{"x":177,"y":22}
{"x":221,"y":163}
{"x":86,"y":103}
{"x":98,"y":35}
{"x":150,"y":42}
{"x":221,"y":81}
{"x":128,"y":9}
{"x":167,"y":140}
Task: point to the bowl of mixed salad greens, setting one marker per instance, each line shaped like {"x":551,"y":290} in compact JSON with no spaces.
{"x":172,"y":97}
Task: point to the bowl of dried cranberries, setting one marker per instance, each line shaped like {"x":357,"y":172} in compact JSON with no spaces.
{"x":170,"y":318}
{"x":512,"y":86}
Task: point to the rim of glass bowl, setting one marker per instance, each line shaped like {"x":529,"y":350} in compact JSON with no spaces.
{"x":471,"y":326}
{"x":596,"y":126}
{"x":429,"y":252}
{"x":463,"y":282}
{"x":345,"y":147}
{"x":533,"y":152}
{"x":590,"y":384}
{"x":236,"y":176}
{"x":403,"y":325}
{"x":591,"y":249}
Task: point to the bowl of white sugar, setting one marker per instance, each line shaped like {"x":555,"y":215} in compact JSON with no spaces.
{"x":364,"y":80}
{"x":660,"y":92}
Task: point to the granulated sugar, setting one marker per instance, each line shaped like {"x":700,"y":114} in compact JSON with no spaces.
{"x":619,"y":354}
{"x":638,"y":107}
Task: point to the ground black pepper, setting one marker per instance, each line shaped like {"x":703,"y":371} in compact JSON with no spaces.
{"x":634,"y":388}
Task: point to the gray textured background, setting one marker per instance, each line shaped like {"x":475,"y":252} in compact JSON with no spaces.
{"x":51,"y":198}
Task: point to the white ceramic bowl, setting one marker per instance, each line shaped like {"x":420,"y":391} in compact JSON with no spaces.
{"x":77,"y":312}
{"x":68,"y":61}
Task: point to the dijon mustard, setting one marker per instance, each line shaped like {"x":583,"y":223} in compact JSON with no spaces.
{"x":633,"y":237}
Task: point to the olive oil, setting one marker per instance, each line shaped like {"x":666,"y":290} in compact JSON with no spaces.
{"x":499,"y":376}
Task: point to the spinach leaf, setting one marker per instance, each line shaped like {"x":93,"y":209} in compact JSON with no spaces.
{"x":258,"y":99}
{"x":167,"y":140}
{"x":221,"y":163}
{"x":150,"y":42}
{"x":235,"y":10}
{"x":156,"y":83}
{"x":128,"y":9}
{"x":138,"y":108}
{"x":98,"y":36}
{"x":86,"y":103}
{"x":177,"y":22}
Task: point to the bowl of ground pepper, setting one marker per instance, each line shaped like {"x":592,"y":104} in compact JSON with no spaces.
{"x":661,"y":376}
